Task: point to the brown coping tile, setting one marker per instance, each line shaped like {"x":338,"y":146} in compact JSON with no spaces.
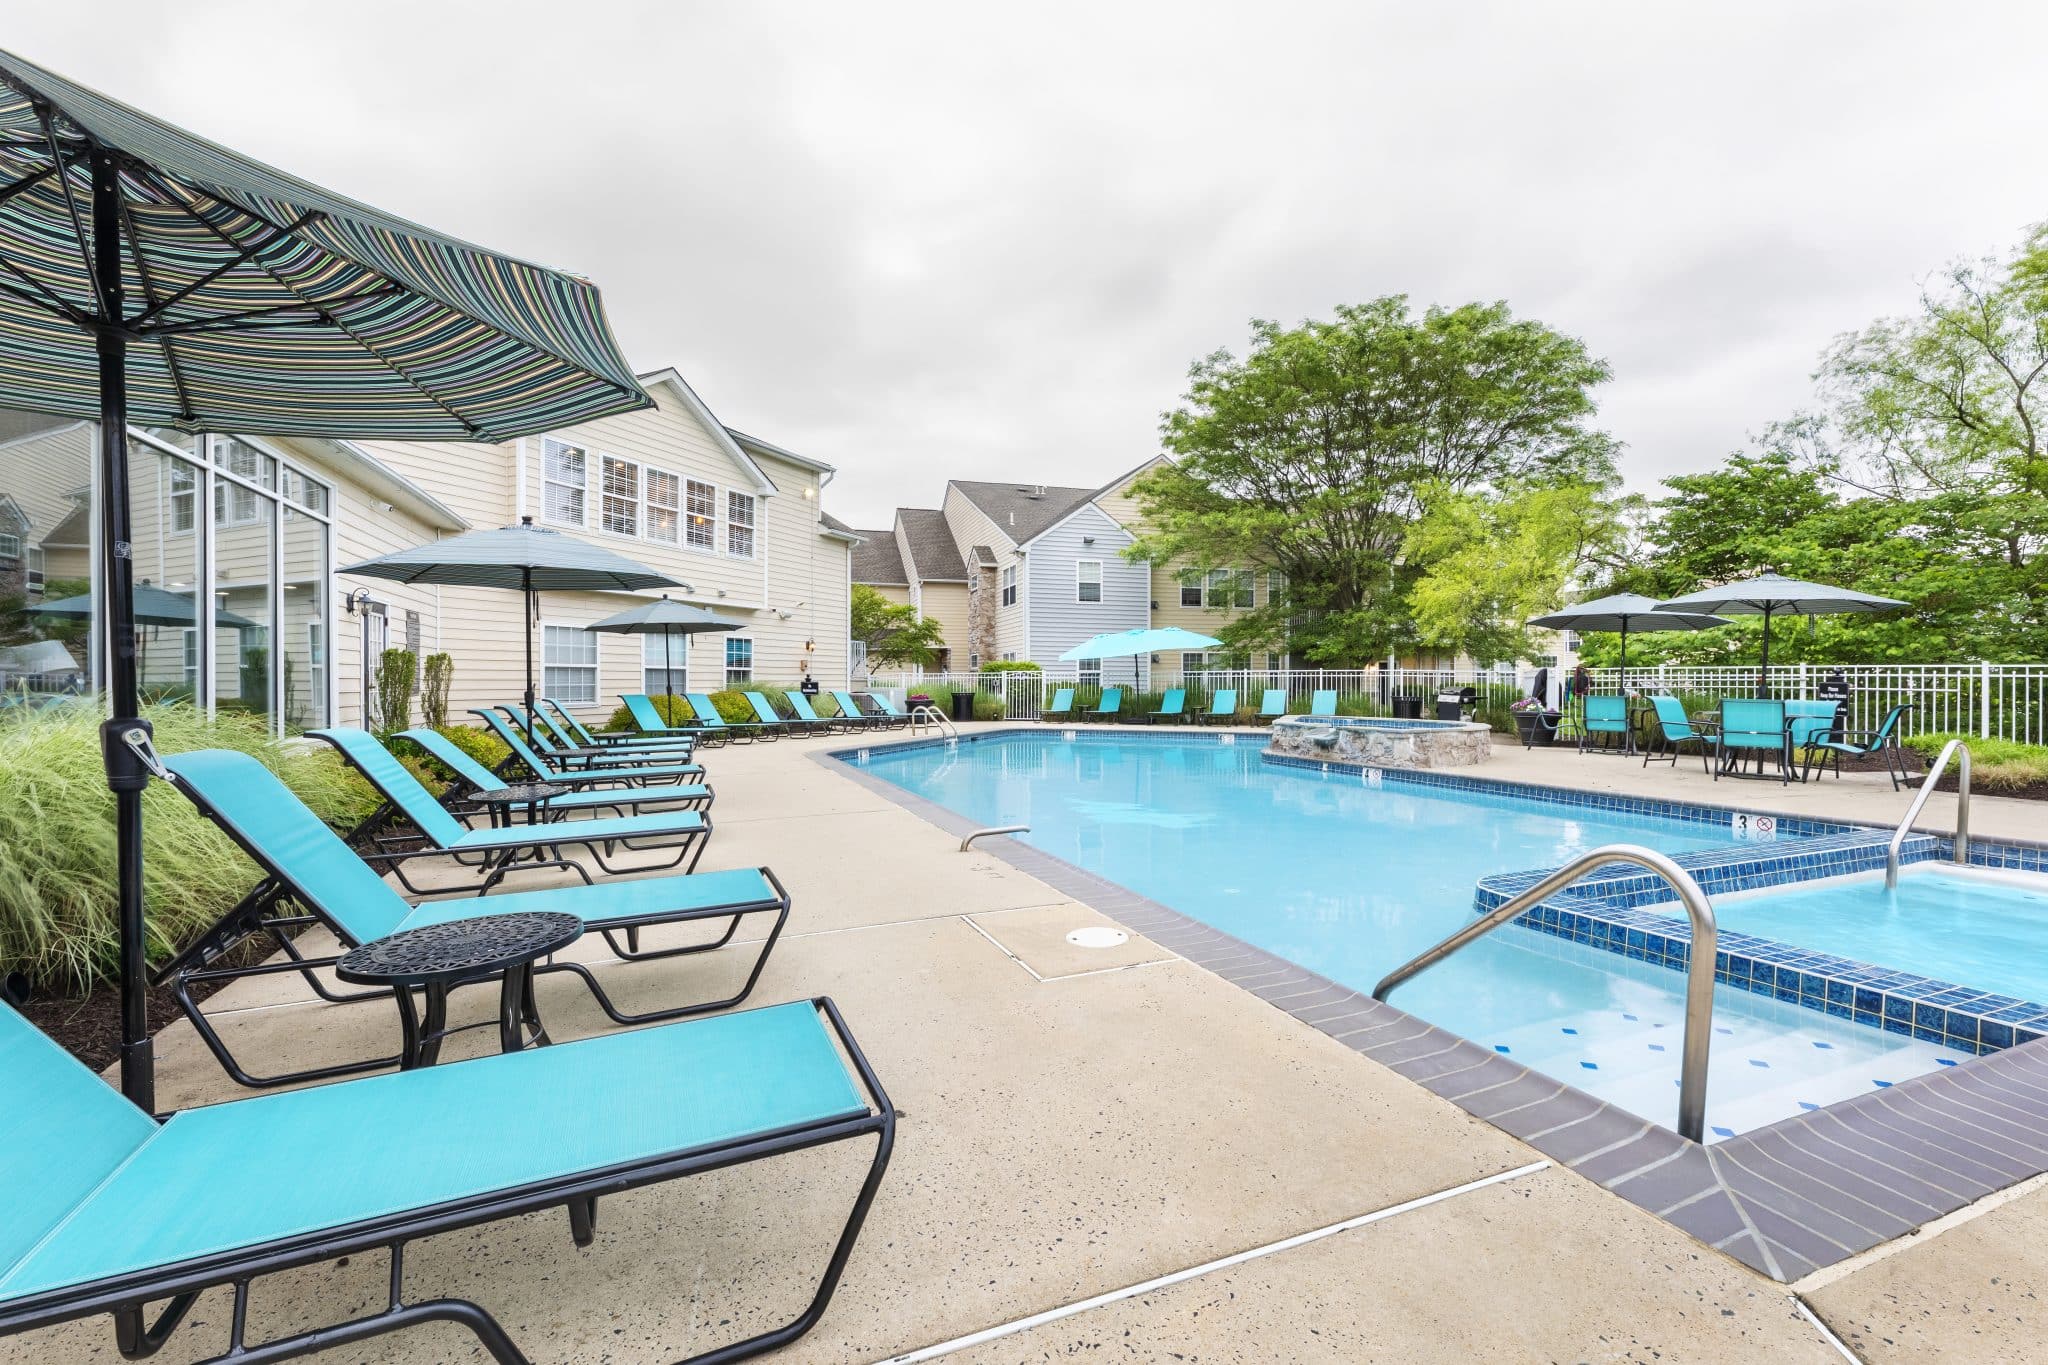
{"x":1520,"y":1093}
{"x":1608,"y":1167}
{"x":1790,"y":1238}
{"x":1603,"y":1129}
{"x":1713,"y":1218}
{"x":1668,"y":1184}
{"x":1816,"y":1158}
{"x":1525,"y":1121}
{"x":1845,"y":1222}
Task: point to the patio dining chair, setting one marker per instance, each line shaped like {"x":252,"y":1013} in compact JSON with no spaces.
{"x":1061,"y":707}
{"x":1752,"y":726}
{"x":1222,"y":706}
{"x":1882,"y":742}
{"x":308,"y":864}
{"x":495,"y":852}
{"x":1674,"y":730}
{"x":111,"y":1211}
{"x":1604,"y":727}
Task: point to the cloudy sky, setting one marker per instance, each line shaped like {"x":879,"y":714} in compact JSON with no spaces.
{"x":932,"y":241}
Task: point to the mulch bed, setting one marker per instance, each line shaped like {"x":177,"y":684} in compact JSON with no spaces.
{"x":89,"y":1026}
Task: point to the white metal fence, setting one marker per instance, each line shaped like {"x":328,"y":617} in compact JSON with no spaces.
{"x":2007,"y":701}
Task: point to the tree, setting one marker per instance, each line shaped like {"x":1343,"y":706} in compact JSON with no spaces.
{"x":1315,"y":453}
{"x":893,"y":632}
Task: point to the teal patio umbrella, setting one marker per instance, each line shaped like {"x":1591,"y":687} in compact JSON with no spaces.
{"x":149,"y":275}
{"x":153,"y":607}
{"x":1624,"y":612}
{"x":1775,"y":595}
{"x":667,"y":619}
{"x":1119,"y":644}
{"x":526,"y":558}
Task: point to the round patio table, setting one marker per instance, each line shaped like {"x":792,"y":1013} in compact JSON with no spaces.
{"x":502,"y":802}
{"x":436,"y":958}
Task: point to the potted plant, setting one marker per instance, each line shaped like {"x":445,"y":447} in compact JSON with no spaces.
{"x":1535,"y":723}
{"x":917,"y":699}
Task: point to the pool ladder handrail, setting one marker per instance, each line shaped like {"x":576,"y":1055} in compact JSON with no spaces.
{"x":1699,"y":983}
{"x":921,"y":716}
{"x":1934,"y":774}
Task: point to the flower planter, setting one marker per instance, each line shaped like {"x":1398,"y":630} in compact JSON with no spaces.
{"x":1538,"y":729}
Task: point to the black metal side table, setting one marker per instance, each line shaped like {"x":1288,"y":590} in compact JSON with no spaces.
{"x":436,"y":958}
{"x":503,"y":801}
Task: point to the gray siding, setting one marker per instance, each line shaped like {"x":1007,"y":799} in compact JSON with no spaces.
{"x":1058,"y":621}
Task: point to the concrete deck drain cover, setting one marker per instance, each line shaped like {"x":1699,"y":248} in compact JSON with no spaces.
{"x":1098,"y":936}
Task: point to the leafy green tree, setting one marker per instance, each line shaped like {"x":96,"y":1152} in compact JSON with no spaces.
{"x":893,"y":632}
{"x":1316,"y":452}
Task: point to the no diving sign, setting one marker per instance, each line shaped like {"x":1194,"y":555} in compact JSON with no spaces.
{"x":1755,"y":829}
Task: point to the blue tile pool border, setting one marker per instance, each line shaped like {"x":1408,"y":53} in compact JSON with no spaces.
{"x":1786,"y":1200}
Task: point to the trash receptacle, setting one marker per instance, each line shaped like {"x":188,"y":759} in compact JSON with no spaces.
{"x":963,"y":703}
{"x":1450,"y":705}
{"x":1407,"y":708}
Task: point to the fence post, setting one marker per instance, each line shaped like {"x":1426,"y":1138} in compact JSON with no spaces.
{"x":1984,"y":700}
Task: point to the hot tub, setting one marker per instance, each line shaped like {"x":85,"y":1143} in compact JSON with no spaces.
{"x":1382,"y":742}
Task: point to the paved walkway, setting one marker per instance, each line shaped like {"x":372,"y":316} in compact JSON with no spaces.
{"x":1203,"y":1176}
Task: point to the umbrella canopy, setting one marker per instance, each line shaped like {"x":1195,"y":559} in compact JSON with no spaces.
{"x":1119,"y":644}
{"x":527,"y":558}
{"x":1624,"y":612}
{"x":1775,"y":595}
{"x":147,"y":274}
{"x":668,"y":619}
{"x":153,"y":607}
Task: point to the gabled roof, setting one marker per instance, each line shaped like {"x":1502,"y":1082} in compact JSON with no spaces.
{"x":674,"y":382}
{"x":983,"y":557}
{"x":829,"y":525}
{"x":756,"y":445}
{"x":1021,"y":510}
{"x":933,"y":551}
{"x":877,"y":562}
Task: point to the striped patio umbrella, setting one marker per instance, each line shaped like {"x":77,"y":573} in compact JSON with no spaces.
{"x":150,"y":275}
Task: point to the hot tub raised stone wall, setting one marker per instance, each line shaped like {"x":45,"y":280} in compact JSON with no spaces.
{"x":1367,"y":741}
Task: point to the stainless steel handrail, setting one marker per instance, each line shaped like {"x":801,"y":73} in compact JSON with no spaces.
{"x":1934,"y":772}
{"x":993,"y":829}
{"x":931,"y":715}
{"x":1699,"y":976}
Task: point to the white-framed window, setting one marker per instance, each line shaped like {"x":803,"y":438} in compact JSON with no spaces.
{"x":973,"y":662}
{"x":1091,"y":673}
{"x":619,"y":496}
{"x":739,"y":525}
{"x":1276,"y":586}
{"x":1219,"y":587}
{"x":700,"y":515}
{"x":1009,"y":585}
{"x":1193,"y":661}
{"x":316,"y":665}
{"x":1242,"y":588}
{"x":739,"y":660}
{"x":189,"y":654}
{"x":1087,"y":580}
{"x":32,"y":582}
{"x":664,"y":664}
{"x":568,"y":656}
{"x":564,"y":480}
{"x":1190,"y":588}
{"x":301,"y":491}
{"x":10,"y":545}
{"x":184,"y":497}
{"x":236,"y":504}
{"x":664,"y":506}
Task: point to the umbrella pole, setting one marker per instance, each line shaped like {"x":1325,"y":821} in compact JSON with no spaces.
{"x":532,"y":615}
{"x":668,"y":660}
{"x":1763,"y":677}
{"x":126,"y":773}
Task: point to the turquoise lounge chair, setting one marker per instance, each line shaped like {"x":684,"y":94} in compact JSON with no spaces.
{"x":1323,"y":703}
{"x":498,"y":851}
{"x":808,"y":717}
{"x":560,"y":748}
{"x":565,"y":719}
{"x":647,"y":716}
{"x":544,"y":771}
{"x":1605,"y":726}
{"x":707,"y":713}
{"x":773,"y":724}
{"x":314,"y":868}
{"x":1061,"y":707}
{"x":1172,"y":706}
{"x":1752,"y":726}
{"x":1675,"y":730}
{"x":854,"y":717}
{"x":1110,"y":704}
{"x":895,"y":715}
{"x":110,"y":1211}
{"x":1222,"y":705}
{"x":1273,"y":704}
{"x":1883,"y":741}
{"x":624,"y":800}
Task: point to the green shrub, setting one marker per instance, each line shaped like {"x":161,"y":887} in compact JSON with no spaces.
{"x":673,"y":710}
{"x":1010,"y":666}
{"x":732,"y":708}
{"x":987,"y":707}
{"x":396,"y":672}
{"x":57,"y":913}
{"x":436,"y":674}
{"x":1995,"y":764}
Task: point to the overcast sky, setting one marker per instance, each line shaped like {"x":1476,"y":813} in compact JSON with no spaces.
{"x":923,"y":242}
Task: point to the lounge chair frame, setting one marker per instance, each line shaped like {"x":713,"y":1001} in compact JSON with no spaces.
{"x":535,"y":762}
{"x":625,"y":800}
{"x":137,"y":1334}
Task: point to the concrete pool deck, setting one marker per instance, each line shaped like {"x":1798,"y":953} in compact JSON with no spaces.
{"x":1079,"y":1124}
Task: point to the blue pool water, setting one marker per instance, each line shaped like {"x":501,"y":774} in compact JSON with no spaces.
{"x":1989,"y":931}
{"x":1350,"y":880}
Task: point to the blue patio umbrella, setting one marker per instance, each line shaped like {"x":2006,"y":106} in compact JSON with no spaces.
{"x":1624,"y":612}
{"x":667,"y":619}
{"x":1131,"y":644}
{"x":1774,"y":594}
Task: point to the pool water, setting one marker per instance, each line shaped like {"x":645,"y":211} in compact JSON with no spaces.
{"x":1989,"y":930}
{"x":1350,"y":880}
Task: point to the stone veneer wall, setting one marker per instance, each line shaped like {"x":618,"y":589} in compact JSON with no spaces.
{"x":1382,"y":744}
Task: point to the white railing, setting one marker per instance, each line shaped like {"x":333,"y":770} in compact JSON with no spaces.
{"x":2005,"y":701}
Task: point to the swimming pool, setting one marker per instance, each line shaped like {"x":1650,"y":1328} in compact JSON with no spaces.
{"x":1349,"y":879}
{"x":1988,"y":930}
